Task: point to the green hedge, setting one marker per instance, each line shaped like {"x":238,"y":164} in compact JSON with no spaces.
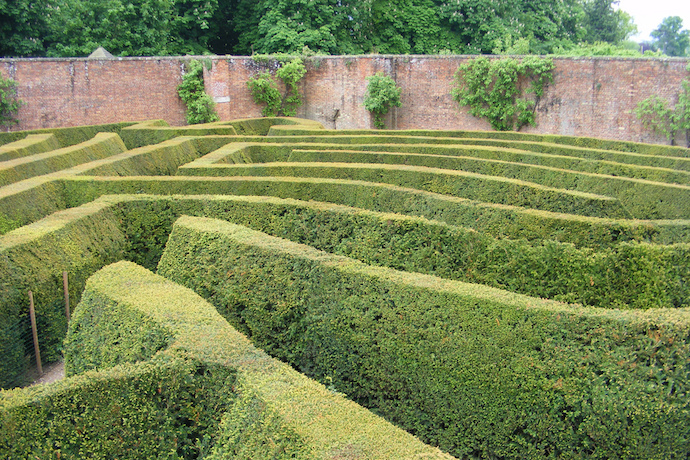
{"x":277,"y":410}
{"x":69,"y":135}
{"x":79,"y":241}
{"x":474,"y":370}
{"x":162,"y":409}
{"x":461,"y":157}
{"x":496,"y":220}
{"x":103,"y":145}
{"x":153,"y":160}
{"x":30,"y":145}
{"x":472,"y":186}
{"x":157,"y":131}
{"x":642,"y":199}
{"x":574,"y":141}
{"x":623,"y":276}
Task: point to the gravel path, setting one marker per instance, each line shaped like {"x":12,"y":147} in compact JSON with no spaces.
{"x":51,"y":373}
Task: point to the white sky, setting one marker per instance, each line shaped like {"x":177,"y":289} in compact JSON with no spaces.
{"x":648,"y":14}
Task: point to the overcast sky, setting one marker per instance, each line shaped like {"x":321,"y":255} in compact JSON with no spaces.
{"x":648,"y":14}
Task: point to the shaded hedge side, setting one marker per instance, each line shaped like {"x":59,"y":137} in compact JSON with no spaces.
{"x":103,"y":145}
{"x":30,"y":145}
{"x":471,"y":369}
{"x":215,"y":374}
{"x":79,"y":241}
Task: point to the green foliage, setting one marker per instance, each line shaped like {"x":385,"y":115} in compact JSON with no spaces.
{"x":671,"y":38}
{"x":200,"y":106}
{"x":605,"y":23}
{"x":471,"y":369}
{"x":494,"y":89}
{"x":264,"y":89}
{"x":600,"y":49}
{"x":9,"y":103}
{"x":658,"y":116}
{"x":382,"y":94}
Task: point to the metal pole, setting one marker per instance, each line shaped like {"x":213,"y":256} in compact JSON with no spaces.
{"x":34,"y":330}
{"x":66,"y":286}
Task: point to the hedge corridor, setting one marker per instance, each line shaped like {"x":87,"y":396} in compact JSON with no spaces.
{"x":496,"y":295}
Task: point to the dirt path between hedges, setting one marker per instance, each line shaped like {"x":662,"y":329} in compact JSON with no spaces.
{"x":51,"y":373}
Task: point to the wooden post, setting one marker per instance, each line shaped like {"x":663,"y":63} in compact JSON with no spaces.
{"x":66,"y":286}
{"x":34,"y":330}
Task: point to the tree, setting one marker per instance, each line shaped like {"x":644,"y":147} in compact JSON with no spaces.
{"x":23,"y":27}
{"x":605,"y":24}
{"x":669,"y":37}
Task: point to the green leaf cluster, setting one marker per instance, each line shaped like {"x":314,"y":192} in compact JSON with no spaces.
{"x":264,"y":89}
{"x":382,"y":94}
{"x":9,"y":102}
{"x":658,"y":116}
{"x":495,"y":89}
{"x":200,"y":106}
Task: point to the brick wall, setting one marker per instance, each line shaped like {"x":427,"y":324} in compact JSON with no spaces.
{"x":589,"y":97}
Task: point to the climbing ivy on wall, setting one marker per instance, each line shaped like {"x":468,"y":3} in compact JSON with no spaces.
{"x":504,"y":91}
{"x":659,"y":117}
{"x":382,"y":94}
{"x":264,"y":89}
{"x":200,"y":106}
{"x":9,"y":102}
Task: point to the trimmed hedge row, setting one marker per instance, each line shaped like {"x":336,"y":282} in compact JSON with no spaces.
{"x":642,"y":199}
{"x":79,"y":241}
{"x":103,"y":145}
{"x":474,"y":370}
{"x":157,"y":131}
{"x":162,"y":409}
{"x":500,"y":221}
{"x":574,"y":141}
{"x":624,"y":276}
{"x":68,"y":135}
{"x":461,"y":184}
{"x":452,"y":157}
{"x":30,"y":145}
{"x":209,"y":372}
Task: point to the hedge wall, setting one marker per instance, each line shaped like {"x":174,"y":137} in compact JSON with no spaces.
{"x":68,"y":135}
{"x":170,"y":406}
{"x":496,"y":220}
{"x":79,"y":241}
{"x":461,"y":184}
{"x":30,"y":145}
{"x":574,"y":141}
{"x":474,"y":370}
{"x":622,"y":276}
{"x":101,"y":146}
{"x":474,"y":159}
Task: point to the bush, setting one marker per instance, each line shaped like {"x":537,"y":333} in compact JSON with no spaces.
{"x":382,"y":94}
{"x":264,"y":89}
{"x":9,"y":103}
{"x":494,"y":88}
{"x":200,"y":106}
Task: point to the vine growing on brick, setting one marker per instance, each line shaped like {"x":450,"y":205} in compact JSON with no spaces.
{"x":382,"y":94}
{"x":200,"y":106}
{"x":504,"y":91}
{"x":658,"y":116}
{"x":9,"y":102}
{"x":264,"y":89}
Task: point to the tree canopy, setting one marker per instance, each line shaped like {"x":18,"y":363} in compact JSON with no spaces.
{"x":172,"y":27}
{"x":670,"y":37}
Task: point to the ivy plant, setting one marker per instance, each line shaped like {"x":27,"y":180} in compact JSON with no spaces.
{"x":382,"y":94}
{"x":9,"y":102}
{"x":659,"y":117}
{"x":264,"y":89}
{"x":200,"y":106}
{"x":504,"y":91}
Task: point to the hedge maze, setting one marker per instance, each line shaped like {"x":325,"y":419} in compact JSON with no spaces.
{"x":468,"y":294}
